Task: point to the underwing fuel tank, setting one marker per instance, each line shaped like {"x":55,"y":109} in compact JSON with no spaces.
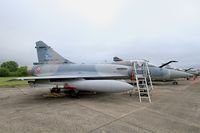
{"x":101,"y":85}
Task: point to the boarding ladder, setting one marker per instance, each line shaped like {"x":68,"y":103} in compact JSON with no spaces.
{"x":141,"y":73}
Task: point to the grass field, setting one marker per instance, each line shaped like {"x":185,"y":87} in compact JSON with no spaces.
{"x":4,"y":82}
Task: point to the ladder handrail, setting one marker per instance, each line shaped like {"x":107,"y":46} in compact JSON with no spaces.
{"x":149,"y":76}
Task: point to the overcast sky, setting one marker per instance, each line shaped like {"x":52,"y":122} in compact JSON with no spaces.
{"x":94,"y":31}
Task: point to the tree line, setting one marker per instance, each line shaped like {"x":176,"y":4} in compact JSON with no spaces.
{"x":12,"y":69}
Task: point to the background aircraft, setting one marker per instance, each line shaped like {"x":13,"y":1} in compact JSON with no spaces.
{"x":195,"y":72}
{"x":159,"y":73}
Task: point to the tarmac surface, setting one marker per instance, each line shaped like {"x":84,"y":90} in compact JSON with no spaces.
{"x":174,"y":109}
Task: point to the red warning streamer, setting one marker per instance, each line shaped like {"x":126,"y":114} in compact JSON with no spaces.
{"x":132,"y":74}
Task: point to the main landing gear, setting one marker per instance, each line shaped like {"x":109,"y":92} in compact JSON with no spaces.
{"x":55,"y":90}
{"x":73,"y":93}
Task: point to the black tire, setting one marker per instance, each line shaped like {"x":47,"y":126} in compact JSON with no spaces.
{"x":73,"y":93}
{"x":52,"y":90}
{"x":57,"y":90}
{"x":175,"y":83}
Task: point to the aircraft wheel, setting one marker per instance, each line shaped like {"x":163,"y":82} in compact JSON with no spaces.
{"x":55,"y":90}
{"x":175,"y":83}
{"x":52,"y":90}
{"x":74,"y":93}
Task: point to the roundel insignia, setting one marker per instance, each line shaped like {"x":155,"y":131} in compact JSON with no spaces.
{"x":38,"y":70}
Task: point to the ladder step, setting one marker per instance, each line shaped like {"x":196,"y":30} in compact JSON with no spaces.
{"x":143,"y":89}
{"x":145,"y":97}
{"x":143,"y":93}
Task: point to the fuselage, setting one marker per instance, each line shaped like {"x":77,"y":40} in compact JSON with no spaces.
{"x":101,"y":71}
{"x":83,"y":70}
{"x":99,"y":77}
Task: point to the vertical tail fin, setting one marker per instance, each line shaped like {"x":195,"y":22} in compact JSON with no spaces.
{"x":46,"y":55}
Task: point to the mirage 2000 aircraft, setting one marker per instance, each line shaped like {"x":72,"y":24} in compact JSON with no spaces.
{"x":159,"y":73}
{"x":56,"y":72}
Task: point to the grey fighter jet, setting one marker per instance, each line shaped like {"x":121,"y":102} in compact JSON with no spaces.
{"x":56,"y":72}
{"x":159,"y":73}
{"x":193,"y":71}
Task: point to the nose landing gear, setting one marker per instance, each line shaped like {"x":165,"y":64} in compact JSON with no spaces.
{"x":175,"y":83}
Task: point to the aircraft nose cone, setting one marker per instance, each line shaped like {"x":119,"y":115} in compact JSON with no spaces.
{"x":179,"y":74}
